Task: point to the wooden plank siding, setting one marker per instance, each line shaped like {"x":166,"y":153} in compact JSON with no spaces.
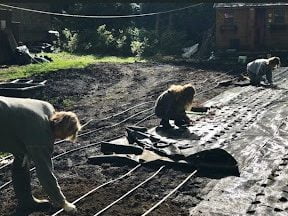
{"x":277,"y":38}
{"x":252,"y":28}
{"x":18,"y":25}
{"x":6,"y":51}
{"x":33,"y":26}
{"x":238,"y":30}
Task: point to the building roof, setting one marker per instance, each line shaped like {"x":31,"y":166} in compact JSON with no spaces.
{"x":235,"y":5}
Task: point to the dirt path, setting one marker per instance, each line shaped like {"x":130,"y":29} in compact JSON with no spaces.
{"x":101,"y":91}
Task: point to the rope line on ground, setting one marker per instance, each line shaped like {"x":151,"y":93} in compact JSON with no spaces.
{"x":168,"y":195}
{"x":129,"y":192}
{"x":100,"y":186}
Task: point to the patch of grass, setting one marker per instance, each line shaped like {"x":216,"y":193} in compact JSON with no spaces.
{"x":65,"y":102}
{"x":2,"y":155}
{"x":61,"y":60}
{"x":68,"y":102}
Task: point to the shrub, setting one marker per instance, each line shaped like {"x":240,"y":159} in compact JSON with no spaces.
{"x":126,"y":42}
{"x":70,"y":40}
{"x":99,"y":41}
{"x":103,"y":41}
{"x":144,"y":43}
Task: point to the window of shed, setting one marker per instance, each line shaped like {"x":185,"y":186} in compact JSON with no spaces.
{"x":228,"y":18}
{"x":279,"y":15}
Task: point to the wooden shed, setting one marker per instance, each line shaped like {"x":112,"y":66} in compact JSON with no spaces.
{"x":19,"y":25}
{"x":251,"y":26}
{"x":8,"y":29}
{"x":33,"y":26}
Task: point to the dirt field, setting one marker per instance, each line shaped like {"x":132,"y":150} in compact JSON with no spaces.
{"x":101,"y":91}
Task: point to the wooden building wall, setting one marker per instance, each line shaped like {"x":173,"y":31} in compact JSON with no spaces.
{"x":33,"y":26}
{"x":244,"y":29}
{"x":6,"y":51}
{"x":277,"y":34}
{"x":236,"y":31}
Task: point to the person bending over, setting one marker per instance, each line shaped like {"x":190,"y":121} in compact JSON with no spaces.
{"x":172,"y":103}
{"x":28,"y":129}
{"x":259,"y":68}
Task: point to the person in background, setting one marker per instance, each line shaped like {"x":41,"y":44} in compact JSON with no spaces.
{"x":172,"y":103}
{"x":28,"y":129}
{"x":259,"y":68}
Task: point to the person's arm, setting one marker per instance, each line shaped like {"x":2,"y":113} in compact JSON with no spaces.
{"x":43,"y":163}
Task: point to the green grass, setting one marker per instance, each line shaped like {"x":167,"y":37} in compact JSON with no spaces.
{"x":61,"y":60}
{"x":2,"y":155}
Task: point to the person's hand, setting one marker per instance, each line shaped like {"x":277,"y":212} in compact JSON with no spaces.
{"x":69,"y":207}
{"x":188,"y":121}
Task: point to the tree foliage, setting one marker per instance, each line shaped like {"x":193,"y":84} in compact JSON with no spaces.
{"x":142,"y":36}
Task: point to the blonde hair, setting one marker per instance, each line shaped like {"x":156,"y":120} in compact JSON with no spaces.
{"x":184,"y":94}
{"x":67,"y":122}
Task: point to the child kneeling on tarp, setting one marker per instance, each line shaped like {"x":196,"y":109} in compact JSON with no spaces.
{"x":172,"y":103}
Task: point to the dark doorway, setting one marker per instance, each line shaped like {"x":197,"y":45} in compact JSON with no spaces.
{"x":259,"y":28}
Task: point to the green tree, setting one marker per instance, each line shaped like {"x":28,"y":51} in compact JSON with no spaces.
{"x":148,"y":35}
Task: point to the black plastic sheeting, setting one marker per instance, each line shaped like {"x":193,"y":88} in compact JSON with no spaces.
{"x":154,"y":152}
{"x":247,"y":124}
{"x":251,"y":124}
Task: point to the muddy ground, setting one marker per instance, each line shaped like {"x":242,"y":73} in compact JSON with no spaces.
{"x":100,"y":91}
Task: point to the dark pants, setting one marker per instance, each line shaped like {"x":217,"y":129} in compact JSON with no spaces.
{"x":254,"y":79}
{"x":22,"y":182}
